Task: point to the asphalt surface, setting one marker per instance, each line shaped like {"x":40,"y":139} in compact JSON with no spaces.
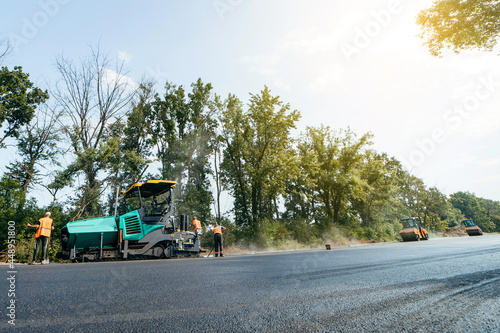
{"x":440,"y":285}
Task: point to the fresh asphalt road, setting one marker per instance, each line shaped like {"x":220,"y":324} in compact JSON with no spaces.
{"x":440,"y":285}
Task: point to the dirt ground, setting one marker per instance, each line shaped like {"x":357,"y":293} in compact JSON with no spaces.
{"x":457,"y":231}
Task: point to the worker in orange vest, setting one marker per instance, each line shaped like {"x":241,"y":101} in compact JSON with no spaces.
{"x":218,"y":231}
{"x":42,"y":236}
{"x":197,"y":226}
{"x":197,"y":231}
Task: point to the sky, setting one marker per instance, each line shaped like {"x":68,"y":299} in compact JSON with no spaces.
{"x":358,"y":64}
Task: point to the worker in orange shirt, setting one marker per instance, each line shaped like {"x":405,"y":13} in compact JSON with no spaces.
{"x":197,"y":231}
{"x":42,"y":237}
{"x":197,"y":226}
{"x":218,"y":231}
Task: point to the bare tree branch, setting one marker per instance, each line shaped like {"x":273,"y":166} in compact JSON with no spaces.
{"x":5,"y":48}
{"x":92,"y":96}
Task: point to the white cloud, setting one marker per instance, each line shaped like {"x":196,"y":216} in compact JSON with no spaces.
{"x":489,"y":162}
{"x":264,"y":65}
{"x":111,"y":77}
{"x":331,"y":76}
{"x":490,"y":179}
{"x":466,"y":159}
{"x":463,"y":160}
{"x":310,"y":41}
{"x":124,"y":56}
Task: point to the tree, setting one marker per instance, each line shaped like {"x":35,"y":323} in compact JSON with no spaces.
{"x":200,"y":138}
{"x":5,"y":48}
{"x":182,"y":128}
{"x":435,"y":209}
{"x":14,"y":207}
{"x":374,"y":197}
{"x":234,"y":133}
{"x":411,"y":193}
{"x":217,"y":162}
{"x":18,"y":101}
{"x":301,"y":187}
{"x":37,"y":145}
{"x":468,"y":205}
{"x":92,"y":98}
{"x":163,"y":122}
{"x":131,"y":142}
{"x":492,"y":209}
{"x":136,"y":143}
{"x":258,"y":149}
{"x":58,"y":180}
{"x":460,"y":25}
{"x":339,"y":156}
{"x":471,"y":207}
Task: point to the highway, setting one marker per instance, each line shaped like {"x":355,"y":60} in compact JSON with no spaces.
{"x":440,"y":285}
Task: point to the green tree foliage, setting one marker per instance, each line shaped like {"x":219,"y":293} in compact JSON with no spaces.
{"x":338,"y":158}
{"x":411,"y":193}
{"x":183,"y":133}
{"x":58,"y":180}
{"x":460,"y":25}
{"x":258,"y":154}
{"x":471,"y":208}
{"x":15,"y":207}
{"x":435,"y":209}
{"x":429,"y":204}
{"x":332,"y":184}
{"x":374,"y":198}
{"x":163,"y":120}
{"x":200,"y":138}
{"x":136,"y":143}
{"x":233,"y":137}
{"x":492,"y":209}
{"x":36,"y":145}
{"x":130,"y":143}
{"x":18,"y":101}
{"x":301,"y":188}
{"x":11,"y":203}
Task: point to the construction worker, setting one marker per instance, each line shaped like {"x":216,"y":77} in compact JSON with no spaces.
{"x":42,"y":237}
{"x":218,"y":231}
{"x":197,"y":226}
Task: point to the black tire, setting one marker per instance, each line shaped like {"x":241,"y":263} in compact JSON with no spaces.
{"x":162,"y":254}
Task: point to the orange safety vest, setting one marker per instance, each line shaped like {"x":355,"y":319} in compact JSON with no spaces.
{"x":218,"y":230}
{"x":196,"y":224}
{"x":45,"y":227}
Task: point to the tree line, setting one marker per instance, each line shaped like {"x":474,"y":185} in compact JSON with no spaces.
{"x":320,"y":184}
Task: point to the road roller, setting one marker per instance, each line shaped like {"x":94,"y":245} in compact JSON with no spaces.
{"x":412,"y":231}
{"x":471,"y":228}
